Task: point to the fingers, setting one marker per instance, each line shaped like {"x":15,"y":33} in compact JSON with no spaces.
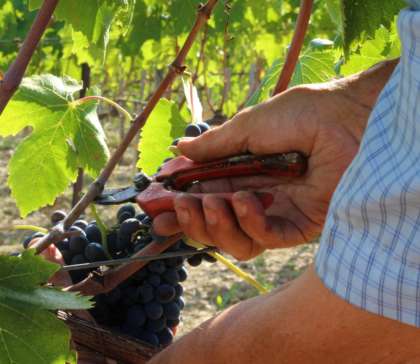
{"x":288,"y":227}
{"x":166,"y":224}
{"x":225,"y":232}
{"x":226,"y":140}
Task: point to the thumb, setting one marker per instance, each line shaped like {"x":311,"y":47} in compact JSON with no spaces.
{"x":223,"y":141}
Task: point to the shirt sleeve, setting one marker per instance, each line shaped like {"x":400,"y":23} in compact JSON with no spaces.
{"x":370,"y":247}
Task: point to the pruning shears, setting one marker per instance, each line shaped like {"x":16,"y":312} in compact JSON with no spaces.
{"x":157,"y":194}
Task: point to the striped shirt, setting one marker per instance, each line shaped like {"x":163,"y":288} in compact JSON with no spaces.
{"x":370,"y":247}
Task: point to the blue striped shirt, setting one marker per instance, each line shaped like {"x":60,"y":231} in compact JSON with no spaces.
{"x":370,"y":247}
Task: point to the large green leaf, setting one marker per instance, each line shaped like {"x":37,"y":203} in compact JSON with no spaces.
{"x":29,"y":332}
{"x":66,"y":135}
{"x":93,"y":17}
{"x":164,"y":125}
{"x":313,"y":66}
{"x":363,"y":18}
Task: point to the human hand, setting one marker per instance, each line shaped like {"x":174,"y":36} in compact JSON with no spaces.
{"x":324,"y":122}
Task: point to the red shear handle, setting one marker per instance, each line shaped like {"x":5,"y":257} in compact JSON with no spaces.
{"x":181,"y":172}
{"x":157,"y":199}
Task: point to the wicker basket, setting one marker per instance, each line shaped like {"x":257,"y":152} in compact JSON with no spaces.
{"x":102,"y":343}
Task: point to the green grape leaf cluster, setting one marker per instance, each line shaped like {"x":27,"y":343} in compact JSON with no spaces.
{"x":29,"y":330}
{"x":66,"y":135}
{"x":362,"y":18}
{"x":164,"y":125}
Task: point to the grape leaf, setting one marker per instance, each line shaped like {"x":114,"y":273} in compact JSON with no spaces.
{"x":164,"y":125}
{"x":66,"y":135}
{"x":29,"y":332}
{"x":313,"y":66}
{"x":363,"y":18}
{"x":93,"y":17}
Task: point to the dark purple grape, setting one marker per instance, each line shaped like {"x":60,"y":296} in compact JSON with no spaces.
{"x":179,"y":290}
{"x":126,"y":209}
{"x":78,"y":244}
{"x":182,"y":274}
{"x":123,"y":217}
{"x":67,"y":256}
{"x":147,"y":221}
{"x":78,"y":275}
{"x":58,"y":216}
{"x":94,"y":252}
{"x":176,"y":262}
{"x":171,"y":276}
{"x":136,"y":316}
{"x":130,"y":295}
{"x":141,"y":274}
{"x":127,"y":229}
{"x":192,"y":130}
{"x":208,"y":258}
{"x":112,"y":241}
{"x":203,"y":127}
{"x":165,"y":336}
{"x":27,"y":240}
{"x":147,"y":337}
{"x":180,"y":302}
{"x":173,"y":323}
{"x":156,"y":325}
{"x":141,"y":216}
{"x":146,"y":293}
{"x":165,"y":293}
{"x":81,"y":224}
{"x":154,"y":279}
{"x":176,"y":141}
{"x":195,"y":260}
{"x":63,"y":245}
{"x":171,"y":310}
{"x":93,"y":233}
{"x":156,"y":266}
{"x":78,"y":230}
{"x":154,"y":310}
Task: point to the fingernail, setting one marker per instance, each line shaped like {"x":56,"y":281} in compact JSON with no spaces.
{"x":240,"y":207}
{"x":211,"y":216}
{"x":183,"y":215}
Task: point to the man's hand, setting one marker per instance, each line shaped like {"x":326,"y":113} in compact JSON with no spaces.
{"x":324,"y":122}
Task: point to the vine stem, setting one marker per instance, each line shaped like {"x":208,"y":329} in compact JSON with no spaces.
{"x":108,"y":101}
{"x":295,"y":47}
{"x":15,"y":73}
{"x":98,"y":185}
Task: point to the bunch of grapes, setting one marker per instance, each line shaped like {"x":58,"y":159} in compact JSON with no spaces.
{"x":148,"y":305}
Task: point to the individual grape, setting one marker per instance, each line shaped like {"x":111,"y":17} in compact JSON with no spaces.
{"x":93,"y":233}
{"x":171,"y":310}
{"x":140,"y":275}
{"x":127,"y":229}
{"x":156,"y":266}
{"x":78,"y":259}
{"x":192,"y":130}
{"x":147,"y":337}
{"x":136,"y":316}
{"x":176,"y":262}
{"x":77,"y":244}
{"x":165,"y":336}
{"x":195,"y":260}
{"x":179,"y":290}
{"x":63,"y":245}
{"x":79,"y":231}
{"x":67,"y":256}
{"x":94,"y":252}
{"x":78,"y":275}
{"x":124,"y":216}
{"x":182,"y":274}
{"x":28,"y":239}
{"x":58,"y":216}
{"x":171,"y":276}
{"x":146,"y":293}
{"x":176,"y":141}
{"x":130,"y":295}
{"x":203,"y":127}
{"x":147,"y":221}
{"x":173,"y":323}
{"x":156,"y":325}
{"x":180,"y":302}
{"x":165,"y":293}
{"x":154,"y":279}
{"x":141,"y":216}
{"x":154,"y":310}
{"x":112,"y":240}
{"x":126,"y":209}
{"x":208,"y":258}
{"x":81,"y":224}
